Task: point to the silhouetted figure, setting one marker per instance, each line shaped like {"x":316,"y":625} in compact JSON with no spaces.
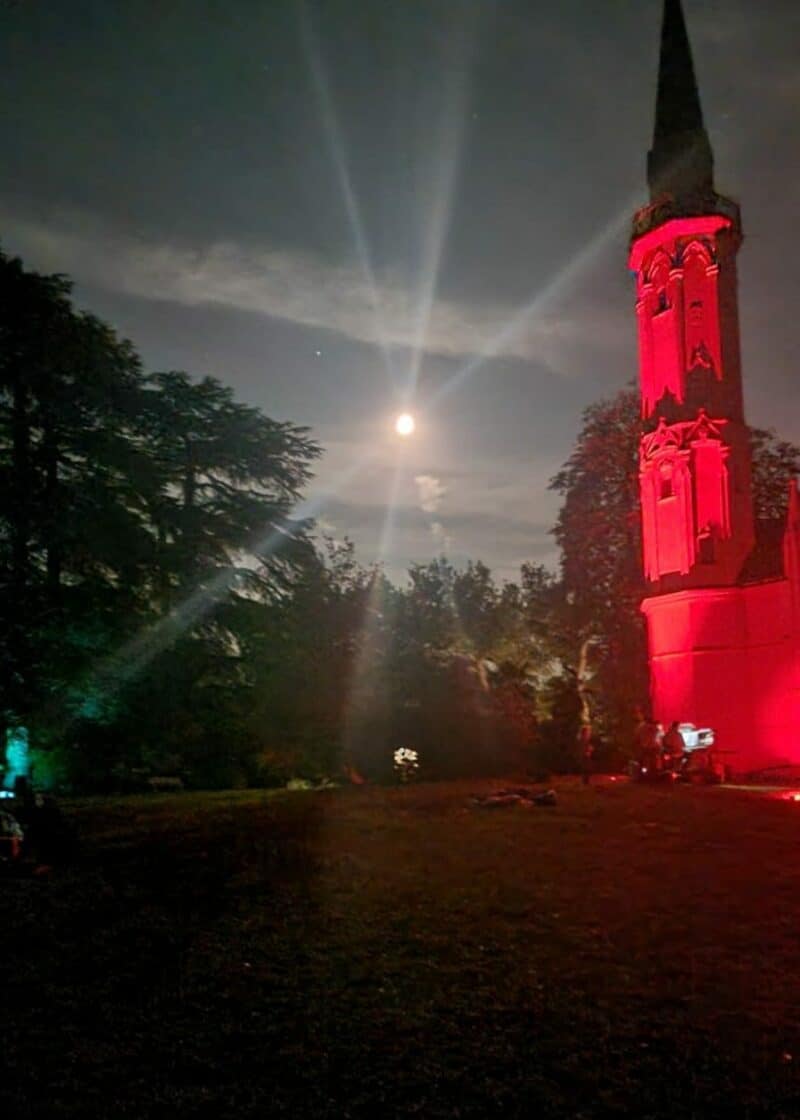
{"x":673,"y":746}
{"x":48,"y":838}
{"x":24,"y":798}
{"x":648,"y":745}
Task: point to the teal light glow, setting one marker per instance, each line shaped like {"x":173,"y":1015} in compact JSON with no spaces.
{"x":18,"y":758}
{"x":91,"y":707}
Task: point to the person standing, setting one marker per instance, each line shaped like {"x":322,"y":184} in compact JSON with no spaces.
{"x":648,"y":742}
{"x":673,"y":746}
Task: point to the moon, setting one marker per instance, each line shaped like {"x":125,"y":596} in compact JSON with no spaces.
{"x":405,"y":424}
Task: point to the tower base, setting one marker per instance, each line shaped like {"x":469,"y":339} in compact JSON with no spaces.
{"x":729,"y":659}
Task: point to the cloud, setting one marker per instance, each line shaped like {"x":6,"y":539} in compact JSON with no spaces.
{"x":430,"y":491}
{"x":289,"y":284}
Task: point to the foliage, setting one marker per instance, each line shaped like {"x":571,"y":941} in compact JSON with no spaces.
{"x":598,"y":532}
{"x":141,"y":518}
{"x":455,"y":671}
{"x":774,"y":462}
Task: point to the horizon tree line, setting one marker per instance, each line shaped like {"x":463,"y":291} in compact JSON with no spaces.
{"x":161,"y":610}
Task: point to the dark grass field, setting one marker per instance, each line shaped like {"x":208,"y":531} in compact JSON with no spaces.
{"x":632,"y":952}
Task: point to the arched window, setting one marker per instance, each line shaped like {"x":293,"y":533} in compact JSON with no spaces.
{"x":658,"y":277}
{"x":698,"y":289}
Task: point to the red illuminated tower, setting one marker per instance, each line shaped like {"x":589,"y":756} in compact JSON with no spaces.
{"x":723,"y":644}
{"x":695,"y":468}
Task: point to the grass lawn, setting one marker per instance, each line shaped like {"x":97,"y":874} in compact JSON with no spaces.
{"x":632,"y":952}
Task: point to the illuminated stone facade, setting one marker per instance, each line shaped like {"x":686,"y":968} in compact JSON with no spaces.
{"x":723,"y":609}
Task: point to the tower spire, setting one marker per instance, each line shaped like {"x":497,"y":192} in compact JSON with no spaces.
{"x":680,"y":163}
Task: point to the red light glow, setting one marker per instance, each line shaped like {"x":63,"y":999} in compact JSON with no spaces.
{"x":724,"y":651}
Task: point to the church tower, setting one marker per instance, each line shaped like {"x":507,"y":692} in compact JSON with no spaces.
{"x":697,"y":516}
{"x":723,"y":617}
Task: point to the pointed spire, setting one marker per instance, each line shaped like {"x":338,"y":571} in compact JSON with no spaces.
{"x":680,"y":162}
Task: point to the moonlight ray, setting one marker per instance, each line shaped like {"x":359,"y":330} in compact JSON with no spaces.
{"x":367,"y":652}
{"x":448,"y":145}
{"x":129,"y":661}
{"x":518,"y":322}
{"x":336,"y":147}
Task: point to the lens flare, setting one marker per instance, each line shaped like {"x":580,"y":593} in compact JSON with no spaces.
{"x":405,"y":424}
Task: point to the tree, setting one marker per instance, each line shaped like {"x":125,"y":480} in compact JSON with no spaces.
{"x":463,"y":669}
{"x":228,"y":557}
{"x":74,"y":546}
{"x":312,"y":662}
{"x":143,"y":521}
{"x":598,"y":532}
{"x":774,"y":462}
{"x":228,"y":477}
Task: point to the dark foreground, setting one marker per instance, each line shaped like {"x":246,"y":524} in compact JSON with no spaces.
{"x":632,"y":952}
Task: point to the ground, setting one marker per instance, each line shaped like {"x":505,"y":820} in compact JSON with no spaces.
{"x":632,"y":952}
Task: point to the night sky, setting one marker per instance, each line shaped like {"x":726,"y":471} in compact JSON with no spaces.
{"x":324,"y":204}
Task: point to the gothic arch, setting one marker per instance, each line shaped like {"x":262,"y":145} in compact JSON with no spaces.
{"x":697,"y":249}
{"x":658,"y":270}
{"x":701,"y":330}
